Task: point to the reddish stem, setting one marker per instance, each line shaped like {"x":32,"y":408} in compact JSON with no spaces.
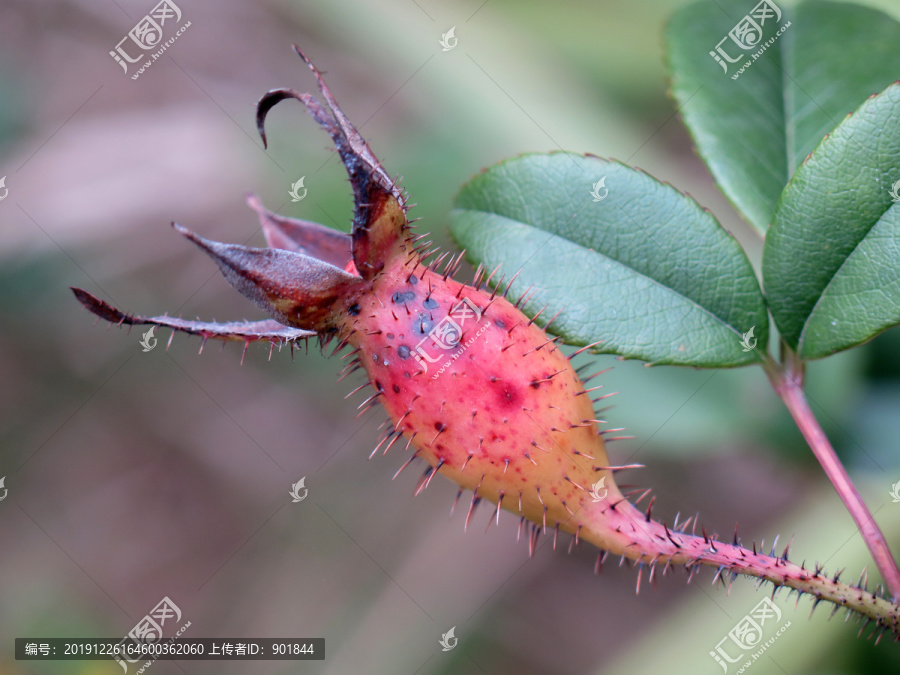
{"x":789,"y":387}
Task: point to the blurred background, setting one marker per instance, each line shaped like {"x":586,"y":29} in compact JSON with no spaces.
{"x":135,"y":476}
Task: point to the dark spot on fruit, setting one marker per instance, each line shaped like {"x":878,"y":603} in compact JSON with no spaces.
{"x":378,"y":386}
{"x":396,"y":389}
{"x":535,"y":384}
{"x":355,"y":309}
{"x":400,"y":296}
{"x":423,"y":323}
{"x":390,"y":336}
{"x":440,"y":426}
{"x":406,"y":374}
{"x":501,"y":324}
{"x":508,"y":397}
{"x":413,"y":279}
{"x":403,"y":352}
{"x":430,"y":303}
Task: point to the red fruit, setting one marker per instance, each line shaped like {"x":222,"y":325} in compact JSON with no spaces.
{"x":476,"y":389}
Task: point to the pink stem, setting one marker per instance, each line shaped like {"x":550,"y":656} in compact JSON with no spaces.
{"x":789,"y":387}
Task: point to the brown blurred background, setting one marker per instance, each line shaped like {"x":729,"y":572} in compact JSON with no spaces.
{"x":133,"y":476}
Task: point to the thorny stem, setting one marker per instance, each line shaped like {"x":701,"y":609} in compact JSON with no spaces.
{"x":621,"y":529}
{"x":788,"y":384}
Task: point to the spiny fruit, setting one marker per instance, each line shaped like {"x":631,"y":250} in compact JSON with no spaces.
{"x":475,"y":388}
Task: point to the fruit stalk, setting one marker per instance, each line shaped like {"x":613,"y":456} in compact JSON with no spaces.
{"x":789,"y":387}
{"x":624,"y":530}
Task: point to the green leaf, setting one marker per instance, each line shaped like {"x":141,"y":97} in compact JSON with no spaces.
{"x":755,"y":130}
{"x":645,"y":270}
{"x":831,"y":263}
